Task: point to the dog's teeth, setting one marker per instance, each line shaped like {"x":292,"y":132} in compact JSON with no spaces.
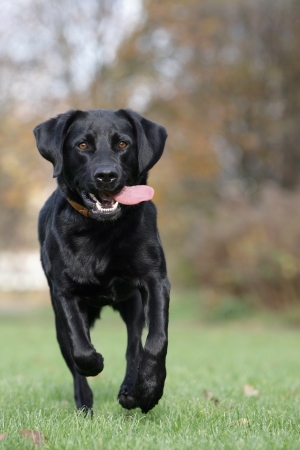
{"x":99,"y":207}
{"x":93,"y":197}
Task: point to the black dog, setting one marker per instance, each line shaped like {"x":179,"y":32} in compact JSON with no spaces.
{"x":100,"y":245}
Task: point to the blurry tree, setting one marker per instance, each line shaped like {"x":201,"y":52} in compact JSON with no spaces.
{"x":21,"y":184}
{"x":223,"y":76}
{"x":261,"y":92}
{"x":48,"y":53}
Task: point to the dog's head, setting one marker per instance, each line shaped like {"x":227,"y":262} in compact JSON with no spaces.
{"x":96,"y":153}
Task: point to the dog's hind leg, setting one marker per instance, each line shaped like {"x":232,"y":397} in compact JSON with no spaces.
{"x":82,"y":392}
{"x":132,"y":313}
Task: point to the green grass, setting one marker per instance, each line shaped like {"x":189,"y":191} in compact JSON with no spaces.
{"x":36,"y":388}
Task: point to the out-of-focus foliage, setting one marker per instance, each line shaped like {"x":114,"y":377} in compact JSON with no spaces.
{"x":49,"y":52}
{"x":251,"y":251}
{"x":22,"y":183}
{"x":221,"y":75}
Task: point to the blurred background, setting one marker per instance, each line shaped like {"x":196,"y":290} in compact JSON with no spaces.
{"x":223,"y":76}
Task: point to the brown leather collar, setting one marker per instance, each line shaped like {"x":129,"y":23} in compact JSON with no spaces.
{"x":84,"y":211}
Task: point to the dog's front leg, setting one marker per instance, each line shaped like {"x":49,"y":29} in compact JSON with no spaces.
{"x":152,"y":372}
{"x":74,"y":315}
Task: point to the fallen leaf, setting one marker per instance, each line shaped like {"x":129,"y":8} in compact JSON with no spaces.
{"x":211,"y":396}
{"x":34,"y":436}
{"x":2,"y":436}
{"x":208,"y":394}
{"x":250,"y":391}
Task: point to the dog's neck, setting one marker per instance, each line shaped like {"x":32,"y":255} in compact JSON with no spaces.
{"x":81,"y":209}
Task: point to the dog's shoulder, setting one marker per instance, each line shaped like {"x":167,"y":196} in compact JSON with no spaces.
{"x":55,"y":201}
{"x":51,"y":213}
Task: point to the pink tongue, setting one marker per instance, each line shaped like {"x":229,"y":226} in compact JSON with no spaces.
{"x":131,"y":195}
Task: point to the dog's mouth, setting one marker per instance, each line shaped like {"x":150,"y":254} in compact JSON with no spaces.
{"x":107,"y":204}
{"x":100,"y":203}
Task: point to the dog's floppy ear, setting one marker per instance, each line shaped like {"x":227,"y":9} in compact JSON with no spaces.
{"x":150,"y":137}
{"x":50,"y":136}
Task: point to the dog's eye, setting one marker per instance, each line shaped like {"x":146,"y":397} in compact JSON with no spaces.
{"x":122,"y":144}
{"x":82,"y":146}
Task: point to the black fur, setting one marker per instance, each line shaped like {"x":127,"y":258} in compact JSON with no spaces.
{"x":111,"y":258}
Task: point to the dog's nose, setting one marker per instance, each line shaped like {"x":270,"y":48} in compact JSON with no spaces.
{"x":106,"y":174}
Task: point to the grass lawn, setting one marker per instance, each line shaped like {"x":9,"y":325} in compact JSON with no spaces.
{"x":36,"y":388}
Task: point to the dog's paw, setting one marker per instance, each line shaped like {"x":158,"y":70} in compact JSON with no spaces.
{"x":86,"y":411}
{"x":149,"y":387}
{"x":127,"y":401}
{"x":125,"y":397}
{"x":144,"y":395}
{"x":147,"y":396}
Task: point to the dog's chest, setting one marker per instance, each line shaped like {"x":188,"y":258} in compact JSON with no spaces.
{"x":106,"y":289}
{"x":108,"y":293}
{"x":104,"y":276}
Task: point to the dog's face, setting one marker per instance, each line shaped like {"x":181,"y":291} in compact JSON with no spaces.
{"x":100,"y":157}
{"x":96,"y":153}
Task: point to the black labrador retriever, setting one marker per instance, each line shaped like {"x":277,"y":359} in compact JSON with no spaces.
{"x":100,"y":245}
